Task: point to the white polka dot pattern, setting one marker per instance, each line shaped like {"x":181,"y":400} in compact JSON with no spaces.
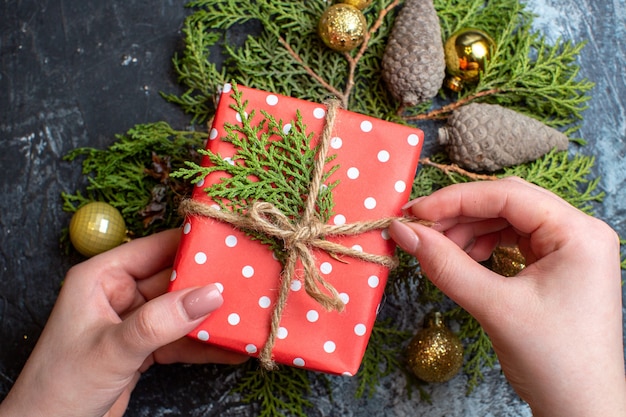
{"x":376,"y":164}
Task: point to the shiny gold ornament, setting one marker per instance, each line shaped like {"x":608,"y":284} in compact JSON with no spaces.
{"x":359,"y":4}
{"x":507,"y":261}
{"x":466,"y":53}
{"x":342,"y":27}
{"x":96,"y":227}
{"x":435,"y":354}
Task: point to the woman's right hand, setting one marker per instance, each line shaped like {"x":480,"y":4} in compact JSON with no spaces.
{"x":557,"y":325}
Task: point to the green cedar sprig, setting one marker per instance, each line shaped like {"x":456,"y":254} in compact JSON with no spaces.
{"x":120,"y":174}
{"x":383,"y":356}
{"x":280,"y":393}
{"x":270,"y":163}
{"x":196,"y":71}
{"x":567,"y":177}
{"x":479,"y":353}
{"x":526,"y":73}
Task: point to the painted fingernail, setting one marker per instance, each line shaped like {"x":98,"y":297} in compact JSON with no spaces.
{"x":202,"y":301}
{"x":410,"y":204}
{"x":404,"y":236}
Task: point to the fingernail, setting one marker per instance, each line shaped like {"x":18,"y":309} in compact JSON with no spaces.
{"x":410,"y":204}
{"x":404,"y":236}
{"x":470,"y":245}
{"x":202,"y":301}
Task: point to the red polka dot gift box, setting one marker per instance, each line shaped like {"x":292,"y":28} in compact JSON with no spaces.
{"x":313,"y":302}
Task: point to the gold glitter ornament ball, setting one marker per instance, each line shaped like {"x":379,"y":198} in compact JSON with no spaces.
{"x":359,"y":4}
{"x":466,"y":53}
{"x":96,"y":227}
{"x":507,"y":261}
{"x":342,"y":27}
{"x":435,"y":354}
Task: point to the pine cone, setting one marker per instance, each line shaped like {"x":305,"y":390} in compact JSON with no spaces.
{"x":413,"y":65}
{"x":488,"y":137}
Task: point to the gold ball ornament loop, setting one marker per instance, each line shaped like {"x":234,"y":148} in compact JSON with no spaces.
{"x":359,"y":4}
{"x":97,"y":227}
{"x":435,"y":354}
{"x":342,"y":27}
{"x":466,"y":53}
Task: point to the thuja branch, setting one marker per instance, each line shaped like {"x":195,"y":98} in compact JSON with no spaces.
{"x":310,"y":71}
{"x":442,"y":112}
{"x":454,"y":168}
{"x":352,"y":61}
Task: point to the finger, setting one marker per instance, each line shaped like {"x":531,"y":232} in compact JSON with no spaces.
{"x":465,"y":233}
{"x":451,"y":269}
{"x":482,"y":247}
{"x":155,"y":285}
{"x":140,"y":258}
{"x":117,"y":270}
{"x":522,"y":204}
{"x":161,"y":321}
{"x":187,"y":350}
{"x":539,"y":189}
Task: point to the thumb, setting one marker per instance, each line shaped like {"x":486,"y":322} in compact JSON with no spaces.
{"x":452,"y":270}
{"x":164,"y":320}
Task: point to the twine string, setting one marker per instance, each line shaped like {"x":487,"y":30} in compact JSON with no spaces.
{"x":300,"y":238}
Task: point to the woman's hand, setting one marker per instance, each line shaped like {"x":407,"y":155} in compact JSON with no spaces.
{"x":557,"y":325}
{"x":112,"y":320}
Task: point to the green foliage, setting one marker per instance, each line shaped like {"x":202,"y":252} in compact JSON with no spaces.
{"x":479,"y":352}
{"x":125,"y":176}
{"x":278,"y":393}
{"x":568,"y":177}
{"x":283,"y":57}
{"x":197,"y":72}
{"x":382,"y":356}
{"x":268,"y":165}
{"x":525,"y":73}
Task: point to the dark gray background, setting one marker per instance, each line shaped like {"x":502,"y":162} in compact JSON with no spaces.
{"x":74,"y":73}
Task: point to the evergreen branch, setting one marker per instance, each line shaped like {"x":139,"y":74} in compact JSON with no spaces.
{"x":441,"y":113}
{"x":479,"y":351}
{"x":121,"y":174}
{"x":382,"y":356}
{"x":447,"y":169}
{"x":268,"y":165}
{"x":196,"y":72}
{"x":337,"y":93}
{"x":278,"y":393}
{"x":353,"y":61}
{"x":524,"y":72}
{"x":566,"y":177}
{"x":556,"y":171}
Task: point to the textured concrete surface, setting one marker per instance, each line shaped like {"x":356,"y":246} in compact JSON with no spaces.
{"x":75,"y":73}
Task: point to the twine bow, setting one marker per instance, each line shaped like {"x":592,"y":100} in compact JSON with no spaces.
{"x":299,"y":239}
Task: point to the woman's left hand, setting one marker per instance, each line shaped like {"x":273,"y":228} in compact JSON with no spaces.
{"x":112,"y":320}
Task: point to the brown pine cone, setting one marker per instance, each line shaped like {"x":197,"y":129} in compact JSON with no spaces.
{"x":489,"y":137}
{"x":413,"y":65}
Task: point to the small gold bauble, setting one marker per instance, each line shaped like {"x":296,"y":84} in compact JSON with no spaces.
{"x":342,"y":27}
{"x":435,"y":354}
{"x":96,"y":227}
{"x":359,"y":4}
{"x":507,"y":261}
{"x":466,"y":53}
